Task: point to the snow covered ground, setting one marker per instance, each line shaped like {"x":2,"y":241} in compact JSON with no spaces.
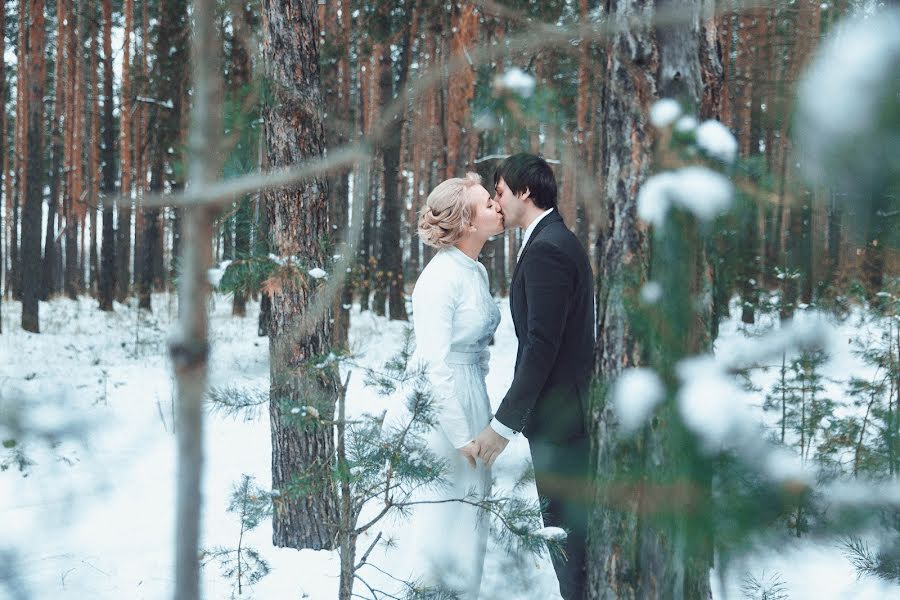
{"x":92,"y":517}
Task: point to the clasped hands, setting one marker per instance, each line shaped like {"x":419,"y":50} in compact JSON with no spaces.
{"x":487,"y":446}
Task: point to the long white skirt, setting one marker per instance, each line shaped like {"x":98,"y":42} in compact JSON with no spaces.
{"x":444,"y":540}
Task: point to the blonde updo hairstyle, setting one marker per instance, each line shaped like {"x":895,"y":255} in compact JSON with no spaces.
{"x":447,"y":211}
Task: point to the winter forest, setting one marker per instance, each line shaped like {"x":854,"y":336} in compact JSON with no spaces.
{"x":208,"y":249}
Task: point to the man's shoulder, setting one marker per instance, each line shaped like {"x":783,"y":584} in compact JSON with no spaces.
{"x":557,"y":235}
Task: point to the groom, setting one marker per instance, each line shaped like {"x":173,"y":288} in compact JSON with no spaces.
{"x":552,"y":303}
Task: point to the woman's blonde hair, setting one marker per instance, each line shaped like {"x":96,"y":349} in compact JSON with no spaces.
{"x":447,"y":211}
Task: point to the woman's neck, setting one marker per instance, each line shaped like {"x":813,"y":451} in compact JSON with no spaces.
{"x":471,"y":246}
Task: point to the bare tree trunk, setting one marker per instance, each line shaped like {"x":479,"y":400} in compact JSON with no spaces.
{"x":48,"y":287}
{"x":72,"y":157}
{"x":169,"y":75}
{"x":190,"y":348}
{"x":306,"y":513}
{"x":108,"y":249}
{"x":338,"y":131}
{"x":391,"y":262}
{"x":239,"y":83}
{"x":630,"y":555}
{"x":94,"y":153}
{"x":123,"y":226}
{"x":31,"y":211}
{"x":4,"y":174}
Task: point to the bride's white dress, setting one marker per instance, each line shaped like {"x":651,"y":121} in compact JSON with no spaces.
{"x":454,"y":317}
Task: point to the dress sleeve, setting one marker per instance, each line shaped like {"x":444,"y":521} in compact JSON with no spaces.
{"x":434,"y":304}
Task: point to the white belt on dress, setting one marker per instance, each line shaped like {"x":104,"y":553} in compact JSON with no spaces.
{"x":463,"y":358}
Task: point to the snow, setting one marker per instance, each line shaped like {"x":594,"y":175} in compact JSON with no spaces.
{"x":717,"y":141}
{"x":551,"y":533}
{"x":709,"y":401}
{"x":845,"y":97}
{"x":699,"y":190}
{"x":517,"y":81}
{"x":214,"y":275}
{"x":317,"y":273}
{"x":99,"y":497}
{"x":651,"y":292}
{"x":637,"y":392}
{"x":664,"y":112}
{"x":686,"y":124}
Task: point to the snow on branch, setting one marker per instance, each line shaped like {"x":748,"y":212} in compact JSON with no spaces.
{"x":699,"y":190}
{"x":164,"y":103}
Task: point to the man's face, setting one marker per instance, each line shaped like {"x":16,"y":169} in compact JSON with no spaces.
{"x":512,"y":205}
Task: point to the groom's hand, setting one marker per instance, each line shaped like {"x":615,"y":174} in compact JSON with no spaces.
{"x":491,"y":444}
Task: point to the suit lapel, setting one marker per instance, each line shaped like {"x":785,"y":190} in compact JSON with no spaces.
{"x":551,"y":218}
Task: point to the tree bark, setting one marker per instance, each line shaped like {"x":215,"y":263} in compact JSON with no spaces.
{"x":240,"y":89}
{"x":48,"y":286}
{"x":338,"y":132}
{"x":72,"y":154}
{"x":306,"y":514}
{"x":4,"y":174}
{"x":390,"y":266}
{"x":123,"y":226}
{"x":629,"y":554}
{"x":107,"y":250}
{"x":34,"y":175}
{"x":169,"y":75}
{"x":20,"y":157}
{"x":94,"y":154}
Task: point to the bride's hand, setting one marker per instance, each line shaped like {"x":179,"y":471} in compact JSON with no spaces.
{"x":470,"y":451}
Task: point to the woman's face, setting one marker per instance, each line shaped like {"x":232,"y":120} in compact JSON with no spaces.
{"x":487,"y":219}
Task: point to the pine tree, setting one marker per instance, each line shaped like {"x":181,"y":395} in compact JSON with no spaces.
{"x":241,"y":91}
{"x":299,"y":331}
{"x":107,"y":284}
{"x":34,"y":172}
{"x":389,"y":289}
{"x":4,"y":174}
{"x":243,"y":564}
{"x":124,"y":214}
{"x":56,"y":148}
{"x":654,"y":557}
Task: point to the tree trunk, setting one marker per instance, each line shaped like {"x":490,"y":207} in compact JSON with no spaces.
{"x":20,"y":157}
{"x":107,"y":250}
{"x":240,"y":90}
{"x":169,"y":74}
{"x":94,"y":158}
{"x":48,"y":286}
{"x":72,"y":154}
{"x":391,"y":263}
{"x":123,"y":226}
{"x":31,"y":211}
{"x":630,"y":555}
{"x":189,"y":349}
{"x":306,"y":513}
{"x":4,"y":174}
{"x":338,"y":131}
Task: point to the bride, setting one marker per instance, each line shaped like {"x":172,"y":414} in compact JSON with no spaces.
{"x":454,"y":317}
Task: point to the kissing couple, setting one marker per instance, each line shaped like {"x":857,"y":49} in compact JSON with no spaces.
{"x":454,"y":316}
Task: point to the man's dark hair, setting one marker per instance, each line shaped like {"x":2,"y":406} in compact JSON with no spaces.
{"x":526,"y":171}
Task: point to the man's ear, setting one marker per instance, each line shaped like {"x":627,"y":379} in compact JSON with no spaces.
{"x":526,"y":194}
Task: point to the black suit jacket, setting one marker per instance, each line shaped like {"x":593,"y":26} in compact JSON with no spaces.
{"x":552,"y":303}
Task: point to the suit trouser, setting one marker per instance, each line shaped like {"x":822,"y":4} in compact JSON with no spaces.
{"x":561,"y":474}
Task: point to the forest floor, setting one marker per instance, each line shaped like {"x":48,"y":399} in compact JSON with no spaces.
{"x":91,"y":516}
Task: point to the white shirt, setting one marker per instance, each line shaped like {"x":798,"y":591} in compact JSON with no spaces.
{"x":496,"y":425}
{"x":529,"y":230}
